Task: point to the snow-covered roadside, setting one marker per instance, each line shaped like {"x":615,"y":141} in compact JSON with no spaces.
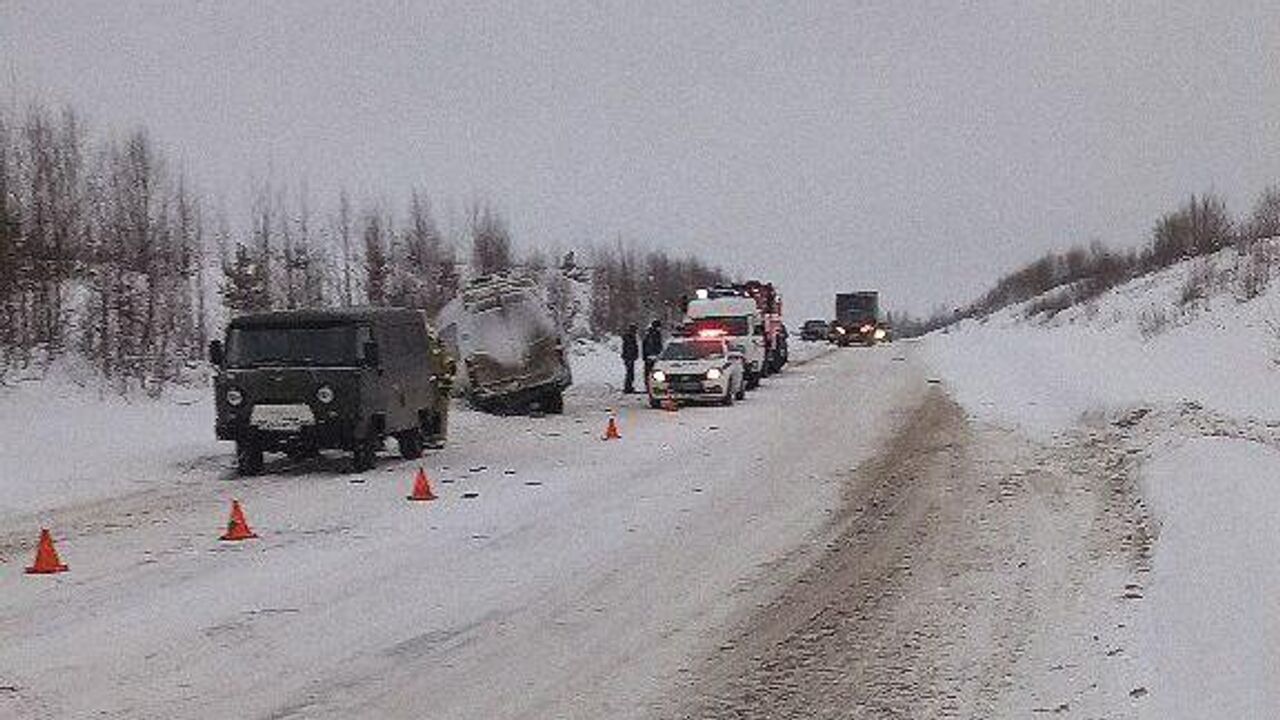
{"x":1214,"y":600}
{"x":61,"y":444}
{"x":1182,"y":400}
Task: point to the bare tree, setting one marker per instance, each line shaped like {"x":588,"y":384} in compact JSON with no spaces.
{"x":377,"y":261}
{"x":1264,"y":221}
{"x":491,"y":250}
{"x":424,"y":272}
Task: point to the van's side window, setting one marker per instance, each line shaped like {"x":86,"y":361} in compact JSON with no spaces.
{"x":363,"y":336}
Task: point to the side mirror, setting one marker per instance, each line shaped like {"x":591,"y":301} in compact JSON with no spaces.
{"x":372,"y":357}
{"x":216,"y":353}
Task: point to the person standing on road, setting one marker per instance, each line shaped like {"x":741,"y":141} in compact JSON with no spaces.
{"x":630,"y":353}
{"x":652,"y":348}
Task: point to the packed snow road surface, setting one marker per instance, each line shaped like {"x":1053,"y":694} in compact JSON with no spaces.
{"x":557,"y":576}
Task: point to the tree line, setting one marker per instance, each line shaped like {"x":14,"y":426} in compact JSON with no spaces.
{"x":1198,"y":227}
{"x":107,"y":254}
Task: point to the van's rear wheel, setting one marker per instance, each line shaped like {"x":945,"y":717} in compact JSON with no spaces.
{"x":410,"y":442}
{"x":365,"y":455}
{"x":248,"y":458}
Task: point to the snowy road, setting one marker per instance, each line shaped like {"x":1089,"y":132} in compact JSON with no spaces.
{"x":584,"y":579}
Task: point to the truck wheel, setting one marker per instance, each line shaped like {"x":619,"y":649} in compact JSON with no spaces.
{"x":248,"y":458}
{"x":410,"y":442}
{"x":365,"y":455}
{"x":553,"y":402}
{"x":753,"y":380}
{"x":655,"y":403}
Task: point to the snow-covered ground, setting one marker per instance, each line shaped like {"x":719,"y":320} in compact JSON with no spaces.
{"x":557,"y":576}
{"x":1188,"y":398}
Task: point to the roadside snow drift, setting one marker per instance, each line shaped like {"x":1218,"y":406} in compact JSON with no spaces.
{"x":1180,"y":369}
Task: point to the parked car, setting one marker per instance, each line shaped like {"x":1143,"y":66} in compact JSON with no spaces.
{"x":305,"y":380}
{"x":698,"y":369}
{"x":815,"y":330}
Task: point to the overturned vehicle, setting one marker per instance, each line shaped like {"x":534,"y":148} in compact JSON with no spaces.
{"x":301,"y":381}
{"x":511,"y":349}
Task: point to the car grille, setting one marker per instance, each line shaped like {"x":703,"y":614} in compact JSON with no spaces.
{"x":685,"y":382}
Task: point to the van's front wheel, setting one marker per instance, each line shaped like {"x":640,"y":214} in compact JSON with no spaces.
{"x":248,"y":458}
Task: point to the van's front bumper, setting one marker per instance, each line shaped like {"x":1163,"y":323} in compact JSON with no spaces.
{"x":330,"y":429}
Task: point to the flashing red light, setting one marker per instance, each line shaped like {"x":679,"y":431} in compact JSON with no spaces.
{"x":866,"y":328}
{"x":711,"y":333}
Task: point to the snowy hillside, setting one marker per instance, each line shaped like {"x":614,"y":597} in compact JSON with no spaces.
{"x":1139,"y":343}
{"x":1172,"y":384}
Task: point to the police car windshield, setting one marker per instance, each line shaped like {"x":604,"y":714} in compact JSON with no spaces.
{"x":325,"y":346}
{"x":693,"y":350}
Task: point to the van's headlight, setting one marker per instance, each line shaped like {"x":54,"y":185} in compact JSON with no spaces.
{"x":325,"y":394}
{"x":234,"y":397}
{"x":713,"y":374}
{"x":659,"y":376}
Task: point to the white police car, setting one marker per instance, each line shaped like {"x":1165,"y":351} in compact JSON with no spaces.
{"x":706,"y":367}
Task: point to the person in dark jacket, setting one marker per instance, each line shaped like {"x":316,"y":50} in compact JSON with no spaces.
{"x":630,"y":353}
{"x":652,"y":348}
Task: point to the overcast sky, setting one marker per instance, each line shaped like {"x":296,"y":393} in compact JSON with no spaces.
{"x":919,"y":147}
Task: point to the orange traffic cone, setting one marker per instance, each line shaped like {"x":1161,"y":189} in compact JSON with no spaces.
{"x":611,"y":430}
{"x":422,"y":487}
{"x":47,"y":560}
{"x":237,"y":527}
{"x":669,"y":403}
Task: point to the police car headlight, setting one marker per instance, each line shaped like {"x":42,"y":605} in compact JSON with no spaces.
{"x":325,"y":394}
{"x":880,"y":334}
{"x":659,"y":376}
{"x":234,"y":397}
{"x":714,"y":374}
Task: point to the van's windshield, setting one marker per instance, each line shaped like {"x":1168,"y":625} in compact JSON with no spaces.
{"x":324,"y":346}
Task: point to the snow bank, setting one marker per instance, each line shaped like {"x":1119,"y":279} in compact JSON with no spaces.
{"x":63,"y":444}
{"x":1184,"y":339}
{"x":1214,"y":603}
